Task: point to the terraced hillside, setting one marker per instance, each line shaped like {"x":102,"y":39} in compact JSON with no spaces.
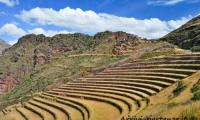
{"x":116,"y":93}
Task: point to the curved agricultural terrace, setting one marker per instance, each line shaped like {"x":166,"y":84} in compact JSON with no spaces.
{"x":113,"y":94}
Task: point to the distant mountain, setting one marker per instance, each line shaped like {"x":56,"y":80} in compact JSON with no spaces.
{"x":187,"y":36}
{"x":3,"y":45}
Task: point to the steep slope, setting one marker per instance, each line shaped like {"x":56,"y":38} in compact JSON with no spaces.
{"x":187,"y":36}
{"x":3,"y":46}
{"x":183,"y":106}
{"x":38,"y":63}
{"x":34,"y":53}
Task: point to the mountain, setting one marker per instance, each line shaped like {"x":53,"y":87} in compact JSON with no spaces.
{"x":37,"y":63}
{"x":62,"y":55}
{"x":3,"y":45}
{"x":187,"y":36}
{"x":77,"y":76}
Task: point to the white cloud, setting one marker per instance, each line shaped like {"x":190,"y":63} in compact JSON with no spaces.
{"x":177,"y":23}
{"x":12,"y":42}
{"x":173,"y":2}
{"x":49,"y":33}
{"x":10,"y":3}
{"x":91,"y":22}
{"x":12,"y":30}
{"x":2,"y":13}
{"x":164,"y":2}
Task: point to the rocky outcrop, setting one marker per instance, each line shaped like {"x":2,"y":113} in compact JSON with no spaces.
{"x":124,"y":41}
{"x":59,"y":46}
{"x":13,"y":78}
{"x":103,"y":35}
{"x":42,"y":56}
{"x":15,"y":57}
{"x":34,"y":39}
{"x":59,"y":43}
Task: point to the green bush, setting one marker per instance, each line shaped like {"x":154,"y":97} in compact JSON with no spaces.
{"x":196,"y":96}
{"x":196,"y":87}
{"x":172,"y":104}
{"x":195,"y":49}
{"x":179,"y":89}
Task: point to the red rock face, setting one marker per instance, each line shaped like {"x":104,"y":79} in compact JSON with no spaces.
{"x":60,"y":46}
{"x":13,"y":78}
{"x":124,"y":41}
{"x":40,"y":60}
{"x":42,"y":56}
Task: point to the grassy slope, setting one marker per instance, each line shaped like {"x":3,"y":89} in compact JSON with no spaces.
{"x":187,"y":36}
{"x":56,"y":73}
{"x":164,"y":104}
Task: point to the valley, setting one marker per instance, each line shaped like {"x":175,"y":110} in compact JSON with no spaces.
{"x":108,"y":76}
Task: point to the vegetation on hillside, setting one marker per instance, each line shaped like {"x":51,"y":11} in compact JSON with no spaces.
{"x":165,"y":104}
{"x":187,"y":36}
{"x":43,"y":63}
{"x":196,"y":90}
{"x":181,"y":87}
{"x":158,"y":53}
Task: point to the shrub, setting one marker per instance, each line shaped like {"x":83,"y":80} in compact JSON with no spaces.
{"x":179,"y":88}
{"x":196,"y":87}
{"x":195,"y":49}
{"x":172,"y":104}
{"x":196,"y":96}
{"x":191,"y":113}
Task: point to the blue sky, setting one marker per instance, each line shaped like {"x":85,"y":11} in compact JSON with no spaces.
{"x":145,"y":18}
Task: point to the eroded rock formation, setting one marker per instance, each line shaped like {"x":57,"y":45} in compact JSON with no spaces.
{"x":124,"y":41}
{"x":13,"y":78}
{"x":42,"y":56}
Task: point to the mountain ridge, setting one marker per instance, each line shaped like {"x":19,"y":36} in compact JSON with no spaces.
{"x":3,"y":45}
{"x":187,"y":36}
{"x":48,"y":62}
